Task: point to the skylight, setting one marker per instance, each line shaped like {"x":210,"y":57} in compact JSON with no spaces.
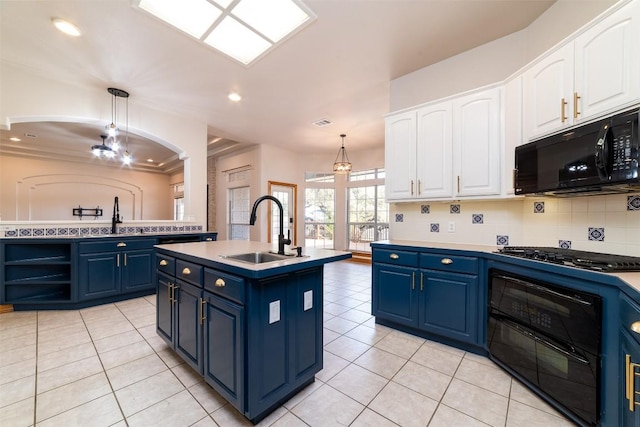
{"x":242,"y":29}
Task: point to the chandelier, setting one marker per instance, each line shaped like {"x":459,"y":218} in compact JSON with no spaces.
{"x":344,"y":165}
{"x":111,"y":148}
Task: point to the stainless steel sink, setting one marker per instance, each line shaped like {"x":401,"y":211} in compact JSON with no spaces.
{"x":258,"y":257}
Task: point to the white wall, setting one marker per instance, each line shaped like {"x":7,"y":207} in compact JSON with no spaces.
{"x":494,"y":61}
{"x":46,"y":190}
{"x":28,"y":97}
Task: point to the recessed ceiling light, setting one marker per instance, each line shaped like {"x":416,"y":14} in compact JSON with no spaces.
{"x":66,"y":27}
{"x":234,"y":96}
{"x":15,"y":139}
{"x":150,"y":160}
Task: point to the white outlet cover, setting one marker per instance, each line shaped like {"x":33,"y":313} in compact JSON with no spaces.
{"x":452,"y":226}
{"x":308,"y":300}
{"x":274,"y":311}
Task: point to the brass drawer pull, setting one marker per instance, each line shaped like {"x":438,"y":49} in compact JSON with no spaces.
{"x":394,"y":256}
{"x":563,"y":114}
{"x":121,"y":244}
{"x":446,"y":261}
{"x":635,"y":327}
{"x":163,"y":262}
{"x":186,"y":271}
{"x":208,"y":239}
{"x":220,"y":283}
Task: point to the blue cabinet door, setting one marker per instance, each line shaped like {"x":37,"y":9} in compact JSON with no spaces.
{"x":99,"y":275}
{"x":224,"y":348}
{"x":306,"y":323}
{"x":448,"y":304}
{"x":188,"y":318}
{"x":137,"y":270}
{"x":629,"y":347}
{"x":394,"y":295}
{"x":164,"y":307}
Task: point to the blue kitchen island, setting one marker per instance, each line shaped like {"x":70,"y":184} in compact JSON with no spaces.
{"x":253,"y":330}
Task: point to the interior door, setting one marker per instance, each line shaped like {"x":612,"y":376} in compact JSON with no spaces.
{"x":286,"y":194}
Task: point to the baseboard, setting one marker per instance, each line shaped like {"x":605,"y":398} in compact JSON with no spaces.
{"x":360,"y":257}
{"x":6,"y":308}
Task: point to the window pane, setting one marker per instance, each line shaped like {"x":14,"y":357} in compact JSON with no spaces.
{"x":178,"y":209}
{"x":367,"y":216}
{"x":239,"y":213}
{"x":319,"y":212}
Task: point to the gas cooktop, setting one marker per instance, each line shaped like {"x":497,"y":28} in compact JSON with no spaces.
{"x":583,"y":259}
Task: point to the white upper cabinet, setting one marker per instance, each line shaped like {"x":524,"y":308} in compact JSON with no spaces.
{"x":594,"y":74}
{"x":434,"y":151}
{"x":445,"y":150}
{"x":400,"y":156}
{"x":477,"y":143}
{"x":607,"y":64}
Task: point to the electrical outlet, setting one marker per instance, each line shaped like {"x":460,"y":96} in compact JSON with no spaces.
{"x":452,"y":227}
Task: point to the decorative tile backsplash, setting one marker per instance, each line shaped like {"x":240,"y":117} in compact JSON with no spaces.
{"x":97,"y":231}
{"x":573,"y":222}
{"x":596,"y":234}
{"x":399,"y":217}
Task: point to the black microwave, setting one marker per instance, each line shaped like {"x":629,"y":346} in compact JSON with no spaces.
{"x":601,"y":156}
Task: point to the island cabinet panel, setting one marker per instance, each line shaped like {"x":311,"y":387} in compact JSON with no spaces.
{"x":439,"y":301}
{"x":224,"y":348}
{"x":256,"y":341}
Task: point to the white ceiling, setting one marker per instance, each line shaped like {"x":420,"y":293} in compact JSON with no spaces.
{"x":338,"y":68}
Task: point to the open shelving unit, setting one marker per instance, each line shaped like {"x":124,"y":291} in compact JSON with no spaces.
{"x":37,"y":272}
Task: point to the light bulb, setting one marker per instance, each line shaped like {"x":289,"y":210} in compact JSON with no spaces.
{"x":111,"y":129}
{"x":115,"y":145}
{"x":96,"y":152}
{"x":126,"y":158}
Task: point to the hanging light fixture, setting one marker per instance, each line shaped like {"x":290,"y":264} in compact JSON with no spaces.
{"x":110,"y":150}
{"x":344,"y":165}
{"x":103,"y":150}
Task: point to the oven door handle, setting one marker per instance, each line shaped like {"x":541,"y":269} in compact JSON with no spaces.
{"x":545,"y":290}
{"x":546,"y":342}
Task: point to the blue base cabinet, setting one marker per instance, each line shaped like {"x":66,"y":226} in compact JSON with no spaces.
{"x":257,"y":342}
{"x":430,"y":294}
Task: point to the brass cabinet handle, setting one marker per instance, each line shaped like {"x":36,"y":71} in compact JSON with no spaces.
{"x":412,"y":187}
{"x":121,"y":244}
{"x":629,"y":377}
{"x":458,"y":183}
{"x":202,"y":307}
{"x":163,"y":262}
{"x":419,"y":188}
{"x":173,"y":294}
{"x":186,"y":271}
{"x":413,"y":280}
{"x":576,"y":97}
{"x":394,"y":256}
{"x":209,"y":239}
{"x":563,"y":113}
{"x":220,"y":283}
{"x":635,"y":327}
{"x":446,"y":261}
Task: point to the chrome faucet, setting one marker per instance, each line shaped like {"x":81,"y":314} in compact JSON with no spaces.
{"x":115,"y":219}
{"x":281,"y":240}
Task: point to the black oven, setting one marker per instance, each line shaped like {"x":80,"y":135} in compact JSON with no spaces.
{"x":549,"y":337}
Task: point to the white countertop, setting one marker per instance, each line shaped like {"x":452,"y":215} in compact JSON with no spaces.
{"x":216,"y":250}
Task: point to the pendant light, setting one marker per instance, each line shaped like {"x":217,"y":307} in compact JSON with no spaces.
{"x":103,"y":150}
{"x":111,"y":149}
{"x":344,"y":165}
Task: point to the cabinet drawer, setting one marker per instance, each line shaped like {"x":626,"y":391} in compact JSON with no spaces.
{"x":409,"y":259}
{"x":629,"y":314}
{"x":166,"y":264}
{"x":111,"y":244}
{"x":458,"y":264}
{"x":189,"y":272}
{"x":226,"y":285}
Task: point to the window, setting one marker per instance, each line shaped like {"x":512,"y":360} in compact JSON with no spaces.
{"x":319,"y":177}
{"x":319,"y":213}
{"x":368,"y":213}
{"x":178,"y":202}
{"x":239,"y":210}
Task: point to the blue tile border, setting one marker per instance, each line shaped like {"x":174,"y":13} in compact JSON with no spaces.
{"x":425,"y":209}
{"x":454,"y":209}
{"x":399,"y":217}
{"x":477,"y":218}
{"x":435,"y":228}
{"x":596,"y":234}
{"x":502,"y":240}
{"x":564,"y":244}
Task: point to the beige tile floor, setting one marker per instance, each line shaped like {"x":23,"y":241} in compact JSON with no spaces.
{"x":105,"y":366}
